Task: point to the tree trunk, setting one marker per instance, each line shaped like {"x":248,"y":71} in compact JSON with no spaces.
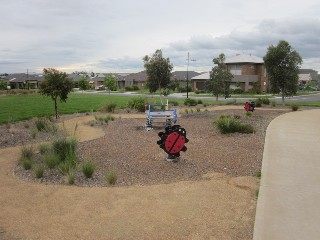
{"x":56,"y":107}
{"x":217,"y":98}
{"x":282,"y":97}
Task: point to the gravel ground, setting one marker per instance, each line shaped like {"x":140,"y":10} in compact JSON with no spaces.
{"x":133,"y":154}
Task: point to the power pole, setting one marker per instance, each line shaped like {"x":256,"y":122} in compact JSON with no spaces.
{"x":188,"y":73}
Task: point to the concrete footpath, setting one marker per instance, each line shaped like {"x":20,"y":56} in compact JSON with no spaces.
{"x":289,"y":198}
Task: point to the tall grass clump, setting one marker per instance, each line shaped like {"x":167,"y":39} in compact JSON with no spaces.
{"x":104,"y":119}
{"x":63,"y":146}
{"x":43,"y":124}
{"x":88,"y":169}
{"x":109,"y":107}
{"x":51,"y":159}
{"x":112,"y":177}
{"x":39,"y":171}
{"x":229,"y":124}
{"x":26,"y":163}
{"x":27,"y":152}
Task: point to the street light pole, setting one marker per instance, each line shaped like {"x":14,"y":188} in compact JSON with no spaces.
{"x":188,"y":73}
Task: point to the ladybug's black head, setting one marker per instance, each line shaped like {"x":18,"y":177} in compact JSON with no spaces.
{"x":182,"y":131}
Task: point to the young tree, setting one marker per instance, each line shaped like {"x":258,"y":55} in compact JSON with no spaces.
{"x":83,"y":83}
{"x":282,"y":64}
{"x":220,"y":78}
{"x":56,"y":85}
{"x":110,"y":82}
{"x":158,"y":71}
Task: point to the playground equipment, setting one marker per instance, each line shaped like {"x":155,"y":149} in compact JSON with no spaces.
{"x":172,"y":141}
{"x":249,"y":106}
{"x":160,"y":113}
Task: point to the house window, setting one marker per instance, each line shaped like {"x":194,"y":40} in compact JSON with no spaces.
{"x":235,"y":69}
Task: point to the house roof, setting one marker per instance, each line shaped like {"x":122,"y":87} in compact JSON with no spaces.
{"x":140,"y":76}
{"x":23,"y":77}
{"x":305,"y":77}
{"x":203,"y":76}
{"x":182,"y":75}
{"x":243,"y":58}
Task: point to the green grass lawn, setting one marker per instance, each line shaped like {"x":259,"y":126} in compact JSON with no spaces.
{"x":22,"y":107}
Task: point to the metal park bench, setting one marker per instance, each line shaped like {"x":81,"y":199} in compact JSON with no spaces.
{"x":159,"y":113}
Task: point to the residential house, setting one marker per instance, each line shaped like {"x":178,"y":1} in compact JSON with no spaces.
{"x":23,"y":80}
{"x":136,"y":79}
{"x":181,"y":77}
{"x":247,"y":70}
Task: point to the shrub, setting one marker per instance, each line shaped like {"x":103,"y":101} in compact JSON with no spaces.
{"x":198,"y":109}
{"x":190,"y":102}
{"x":184,"y":89}
{"x":228,"y":124}
{"x":248,"y":114}
{"x":112,"y":177}
{"x":39,"y":172}
{"x":88,"y":169}
{"x":257,"y":174}
{"x":109,"y":107}
{"x":65,"y":168}
{"x":173,"y":103}
{"x":51,"y":159}
{"x":294,"y":107}
{"x":71,"y":178}
{"x":104,"y":119}
{"x":165,"y":92}
{"x":273,"y":103}
{"x":200,"y":101}
{"x":43,"y":148}
{"x":44,"y":124}
{"x":137,"y":104}
{"x":64,"y":146}
{"x":27,"y":152}
{"x":238,"y":91}
{"x":26,"y":163}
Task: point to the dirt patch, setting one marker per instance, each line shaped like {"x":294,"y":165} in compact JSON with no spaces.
{"x":208,"y":205}
{"x":125,"y":147}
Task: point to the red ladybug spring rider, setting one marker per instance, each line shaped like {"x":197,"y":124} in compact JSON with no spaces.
{"x":172,"y":141}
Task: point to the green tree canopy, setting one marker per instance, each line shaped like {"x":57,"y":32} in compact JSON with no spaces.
{"x":158,"y":71}
{"x":220,"y":78}
{"x":282,"y":64}
{"x":110,"y":82}
{"x":83,"y":83}
{"x":56,"y":85}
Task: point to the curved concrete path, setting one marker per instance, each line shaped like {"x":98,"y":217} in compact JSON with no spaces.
{"x":289,"y":198}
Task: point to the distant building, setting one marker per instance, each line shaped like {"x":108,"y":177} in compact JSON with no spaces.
{"x":246,"y":69}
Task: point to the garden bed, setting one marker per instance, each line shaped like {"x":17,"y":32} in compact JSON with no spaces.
{"x":133,"y":154}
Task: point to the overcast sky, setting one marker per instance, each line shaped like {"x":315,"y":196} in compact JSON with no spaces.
{"x":113,"y":36}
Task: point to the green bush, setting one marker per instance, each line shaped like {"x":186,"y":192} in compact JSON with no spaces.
{"x":173,"y":103}
{"x":104,"y":119}
{"x":137,"y":104}
{"x":294,"y":107}
{"x":88,"y":169}
{"x":27,"y":152}
{"x":108,"y":107}
{"x":165,"y":92}
{"x":112,"y":177}
{"x":228,"y":124}
{"x":237,"y":91}
{"x":71,"y":178}
{"x":39,"y":171}
{"x":51,"y":159}
{"x":63,"y":146}
{"x":131,"y":88}
{"x":190,"y":102}
{"x":200,"y":101}
{"x":43,"y":124}
{"x":43,"y":148}
{"x":248,"y":114}
{"x":26,"y":163}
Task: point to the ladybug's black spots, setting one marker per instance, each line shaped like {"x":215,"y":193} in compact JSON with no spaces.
{"x":173,"y":139}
